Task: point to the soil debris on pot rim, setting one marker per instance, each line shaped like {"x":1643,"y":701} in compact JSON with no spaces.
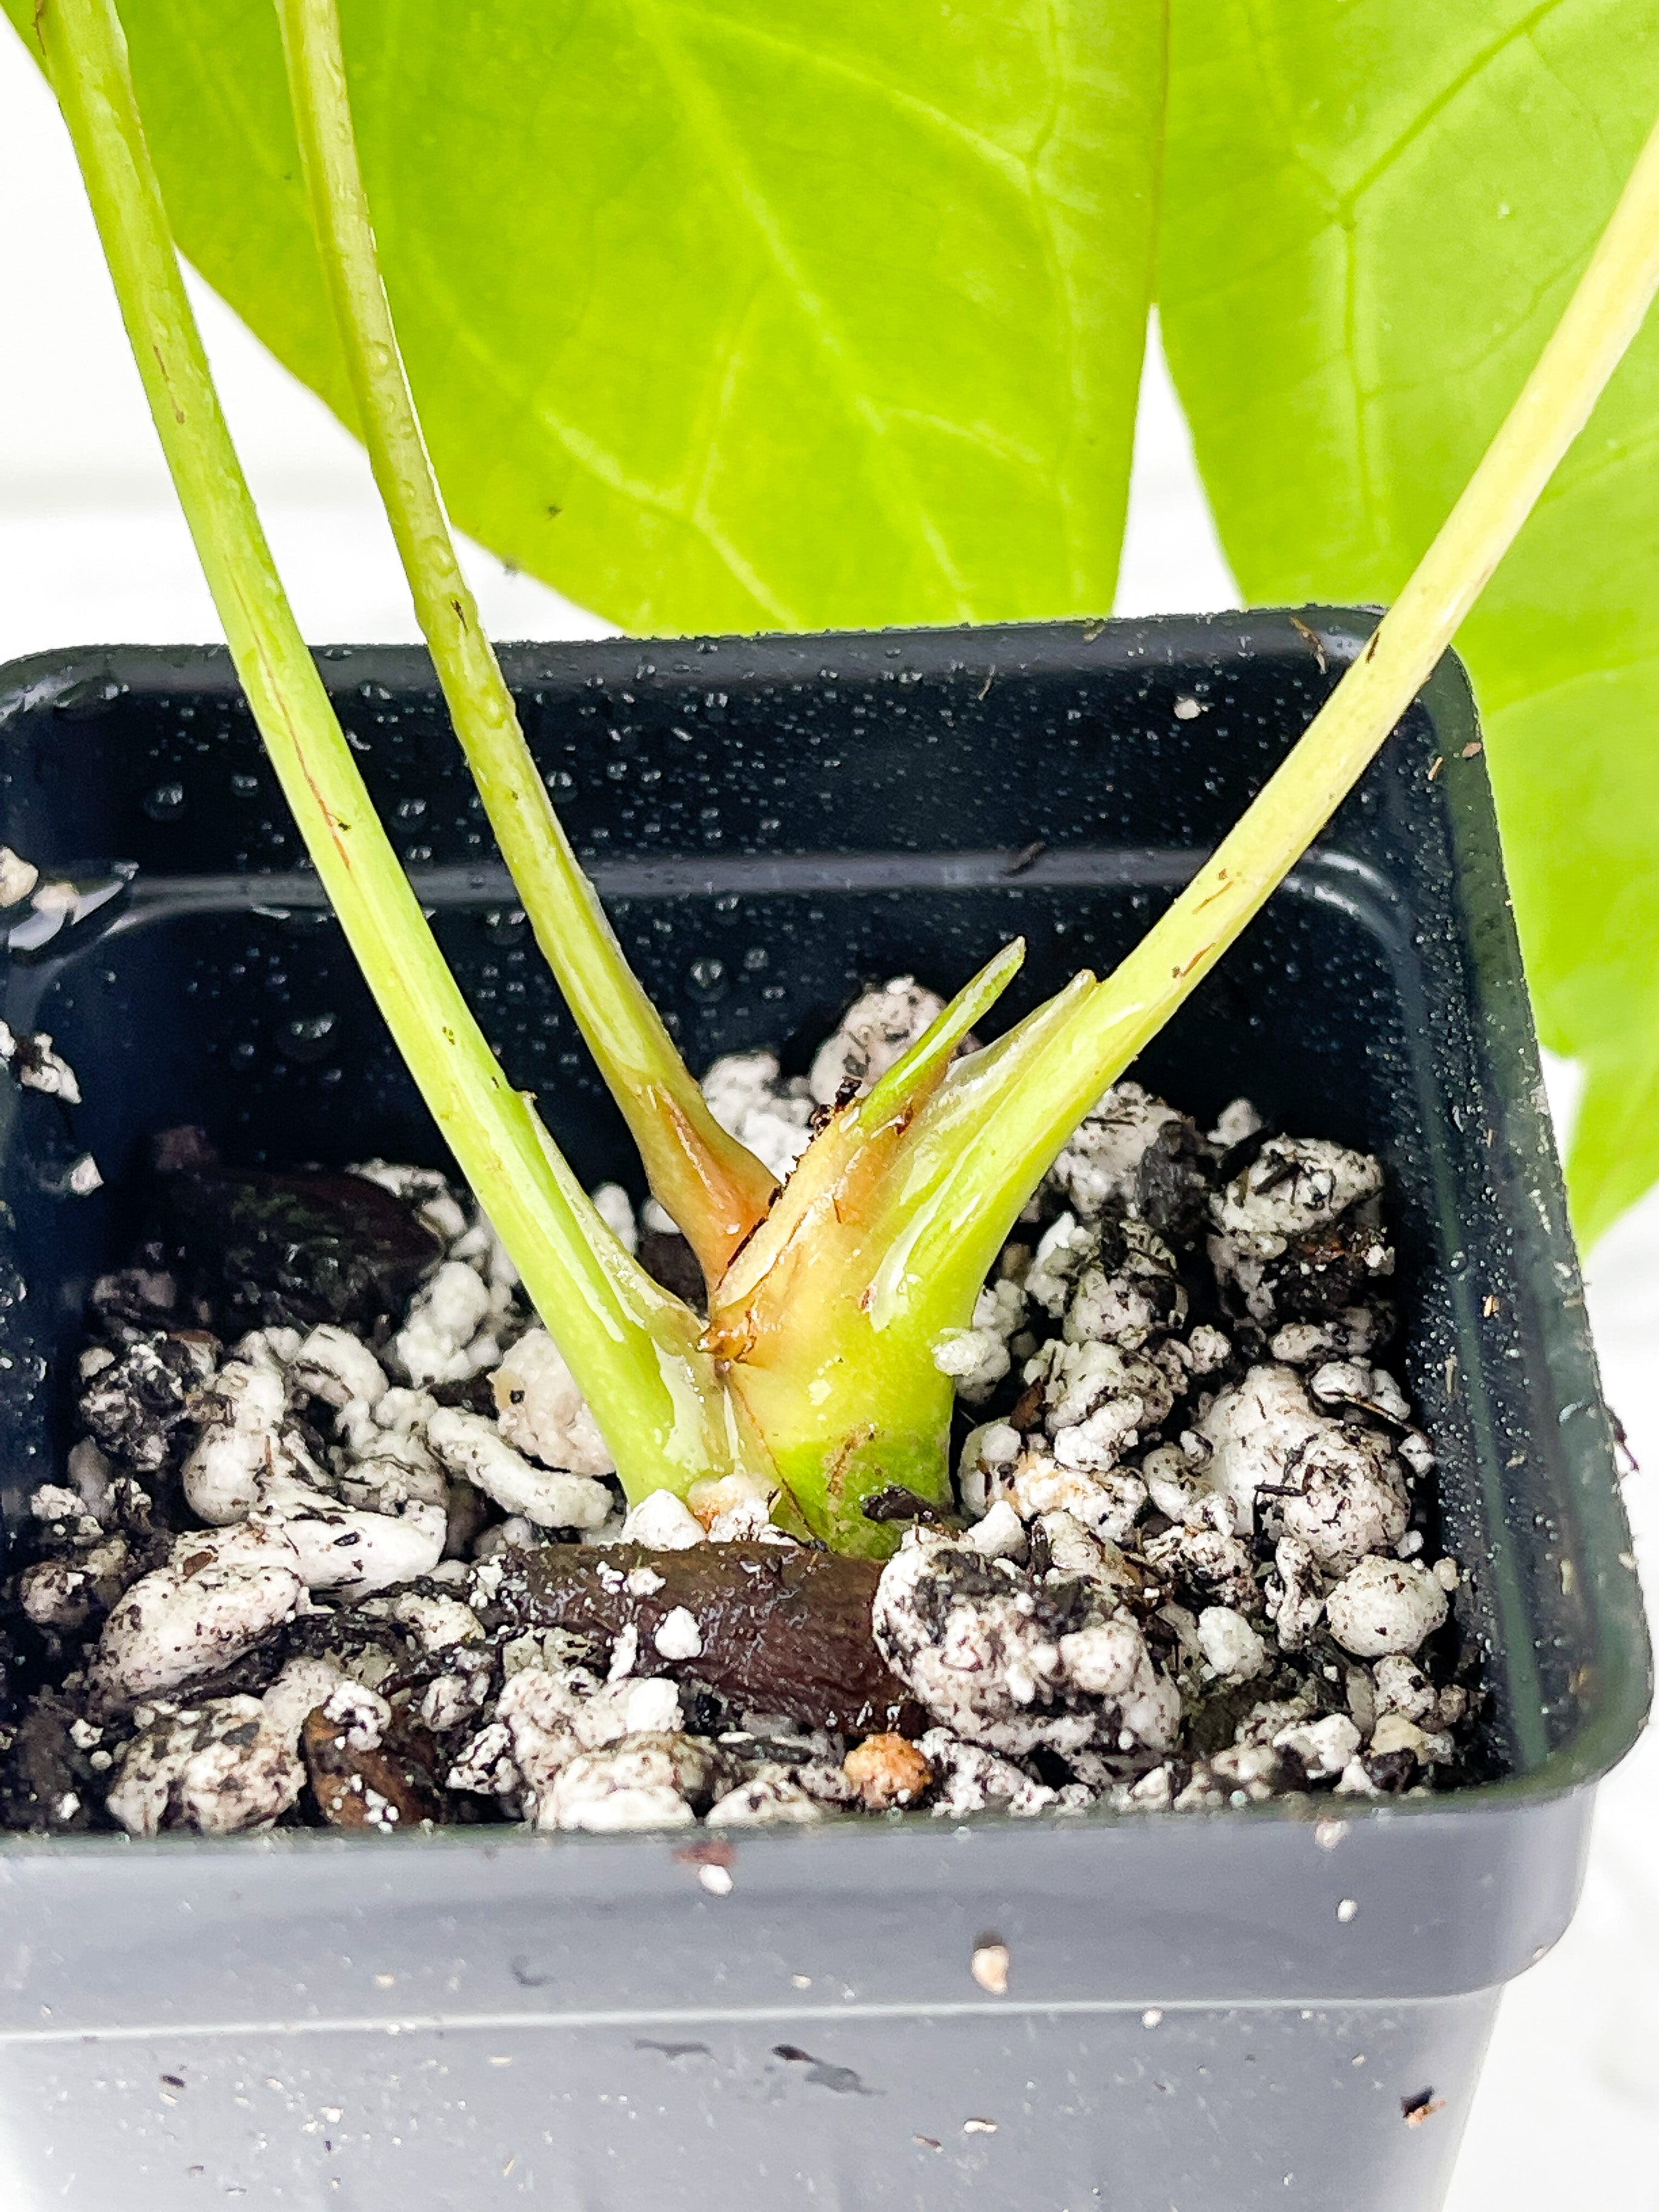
{"x":340,"y":1545}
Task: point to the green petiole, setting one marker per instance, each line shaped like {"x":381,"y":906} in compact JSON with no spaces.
{"x":715,"y":1189}
{"x":633,"y":1348}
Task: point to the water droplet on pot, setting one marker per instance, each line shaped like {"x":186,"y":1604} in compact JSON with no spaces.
{"x":92,"y":695}
{"x":505,"y":925}
{"x":310,"y":1037}
{"x":165,"y":803}
{"x":706,"y":980}
{"x":756,"y":959}
{"x":244,"y":1055}
{"x":245,"y":787}
{"x":411,"y":810}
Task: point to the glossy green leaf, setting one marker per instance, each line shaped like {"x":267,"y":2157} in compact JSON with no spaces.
{"x":728,"y":315}
{"x":1373,"y":214}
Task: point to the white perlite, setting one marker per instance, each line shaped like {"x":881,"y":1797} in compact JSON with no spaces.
{"x":342,"y":1548}
{"x":238,"y":1442}
{"x":770,"y":1796}
{"x":554,"y":1715}
{"x":218,"y":1593}
{"x":1001,"y":1535}
{"x":646,"y":1780}
{"x":748,"y":1096}
{"x":441,"y":1623}
{"x":970,"y":1779}
{"x":302,"y":1686}
{"x":542,"y":1413}
{"x":1384,"y":1606}
{"x":333,"y":1365}
{"x":1127,"y":1291}
{"x":678,"y":1636}
{"x":972,"y":1639}
{"x":664,"y":1522}
{"x":1294,"y":1185}
{"x":1229,"y":1644}
{"x":436,"y":1343}
{"x":977,"y":1358}
{"x":1101,"y":1157}
{"x":360,"y":1715}
{"x":217,"y":1768}
{"x":1324,"y":1747}
{"x":987,"y":1454}
{"x":390,"y":1523}
{"x":18,"y":877}
{"x":1341,"y":1491}
{"x":876,"y":1031}
{"x":37,"y":1067}
{"x":615,"y":1209}
{"x":62,"y":1593}
{"x":473,"y":1448}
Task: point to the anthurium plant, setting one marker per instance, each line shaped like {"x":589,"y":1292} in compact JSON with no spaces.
{"x":895,"y":434}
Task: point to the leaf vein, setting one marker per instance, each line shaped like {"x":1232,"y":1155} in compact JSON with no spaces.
{"x":701,"y":110}
{"x":1453,"y":90}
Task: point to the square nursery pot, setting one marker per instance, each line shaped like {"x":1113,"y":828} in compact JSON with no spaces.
{"x":1284,"y":2005}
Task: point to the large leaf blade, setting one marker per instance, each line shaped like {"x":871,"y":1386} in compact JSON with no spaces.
{"x":1372,"y":216}
{"x":721,"y":315}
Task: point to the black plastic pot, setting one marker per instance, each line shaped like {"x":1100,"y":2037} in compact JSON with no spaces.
{"x":1260,"y":2008}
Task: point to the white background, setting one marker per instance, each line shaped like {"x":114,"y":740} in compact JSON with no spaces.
{"x":92,"y":550}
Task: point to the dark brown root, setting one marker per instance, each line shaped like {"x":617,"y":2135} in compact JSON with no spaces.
{"x":783,"y":1630}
